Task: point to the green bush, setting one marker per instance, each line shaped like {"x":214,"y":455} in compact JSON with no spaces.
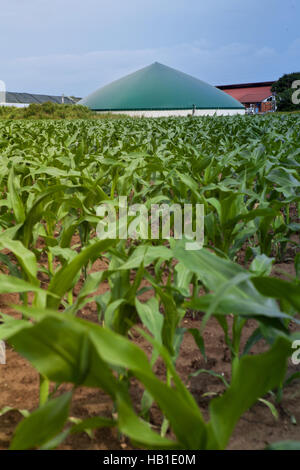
{"x":51,"y":110}
{"x":283,"y":89}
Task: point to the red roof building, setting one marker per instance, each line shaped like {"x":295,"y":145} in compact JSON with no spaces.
{"x":251,"y":95}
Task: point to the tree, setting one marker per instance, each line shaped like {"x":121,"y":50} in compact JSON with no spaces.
{"x":287,"y":96}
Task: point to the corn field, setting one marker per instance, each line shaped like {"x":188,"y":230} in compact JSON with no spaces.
{"x":53,"y":176}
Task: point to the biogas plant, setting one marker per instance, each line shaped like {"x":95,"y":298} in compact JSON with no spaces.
{"x":157,"y":91}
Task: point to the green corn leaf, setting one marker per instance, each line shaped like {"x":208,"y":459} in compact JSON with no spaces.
{"x":11,"y":326}
{"x":109,"y":314}
{"x":62,"y":281}
{"x":43,"y":424}
{"x":35,"y":212}
{"x":254,"y":377}
{"x":95,"y":422}
{"x":15,"y":199}
{"x":7,"y":409}
{"x":9,"y":284}
{"x":13,"y":269}
{"x":139,"y":431}
{"x":278,"y":289}
{"x":146,"y":255}
{"x":60,"y":355}
{"x":198,"y":338}
{"x":151,"y":317}
{"x":270,"y":406}
{"x":91,"y":284}
{"x":236,"y":293}
{"x":212,"y":373}
{"x":262,"y":265}
{"x":56,"y":345}
{"x":25,"y":257}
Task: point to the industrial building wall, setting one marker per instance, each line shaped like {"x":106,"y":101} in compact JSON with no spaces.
{"x":16,"y":105}
{"x":179,"y":112}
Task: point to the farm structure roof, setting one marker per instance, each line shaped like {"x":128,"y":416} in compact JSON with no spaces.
{"x":158,"y":87}
{"x":29,"y":98}
{"x":249,"y":92}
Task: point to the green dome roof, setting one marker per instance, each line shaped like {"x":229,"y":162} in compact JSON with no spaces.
{"x":158,"y":87}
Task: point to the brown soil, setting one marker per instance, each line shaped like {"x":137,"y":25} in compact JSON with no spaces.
{"x":256,"y":429}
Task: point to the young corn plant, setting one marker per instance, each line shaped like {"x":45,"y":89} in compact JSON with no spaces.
{"x":68,"y":349}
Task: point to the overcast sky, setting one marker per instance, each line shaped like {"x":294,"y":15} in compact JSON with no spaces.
{"x":75,"y":46}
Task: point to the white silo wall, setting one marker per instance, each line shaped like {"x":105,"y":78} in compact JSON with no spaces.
{"x":2,"y":93}
{"x":179,"y":112}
